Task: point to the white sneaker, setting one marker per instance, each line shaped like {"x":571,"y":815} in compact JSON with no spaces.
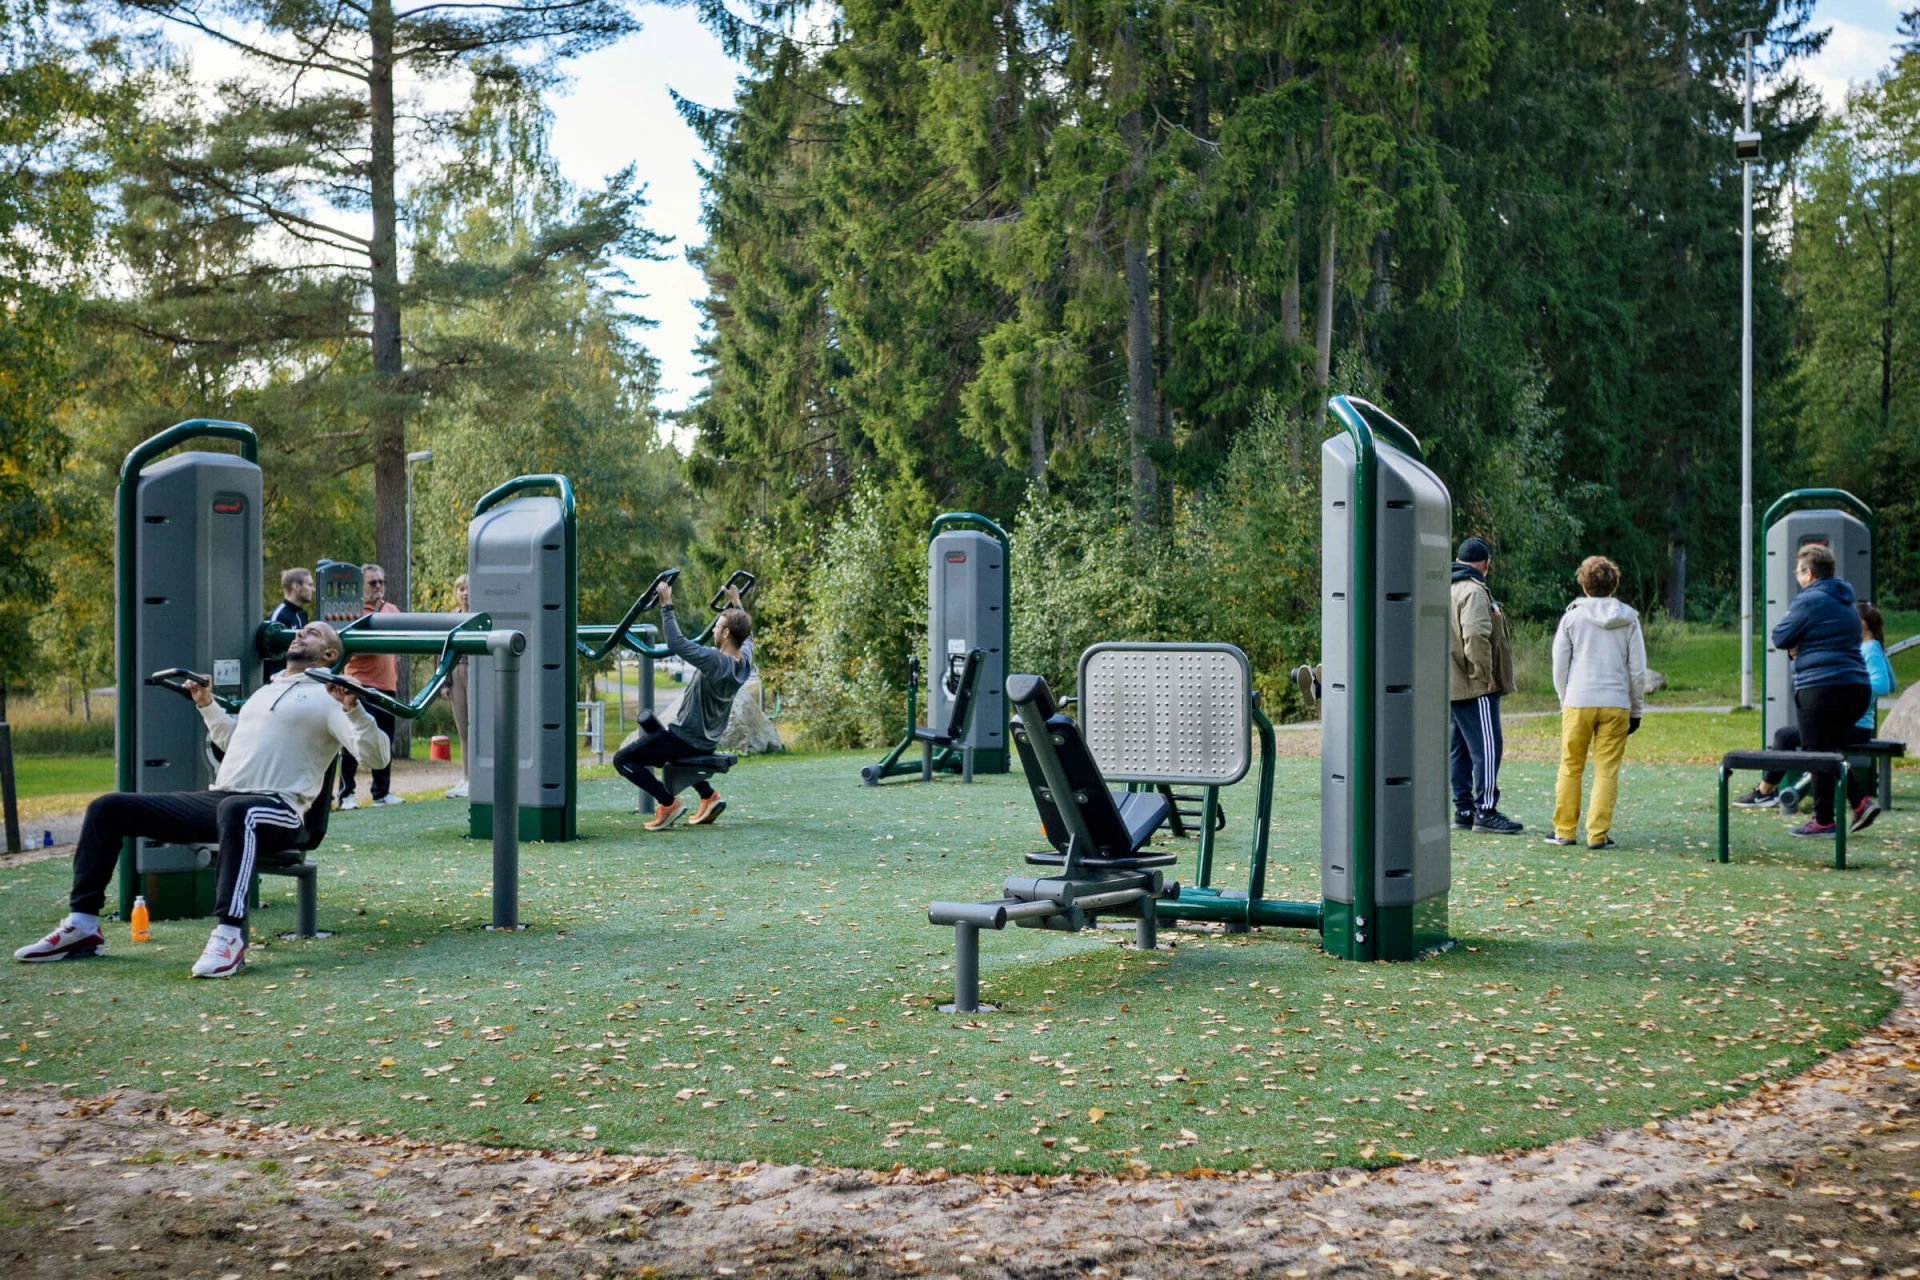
{"x":64,"y":943}
{"x":390,"y":798}
{"x":348,"y":802}
{"x":223,"y":957}
{"x":458,"y":792}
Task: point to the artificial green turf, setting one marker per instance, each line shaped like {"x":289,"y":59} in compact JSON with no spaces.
{"x":766,"y":988}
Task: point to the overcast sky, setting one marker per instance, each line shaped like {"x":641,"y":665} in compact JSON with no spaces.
{"x":617,"y":111}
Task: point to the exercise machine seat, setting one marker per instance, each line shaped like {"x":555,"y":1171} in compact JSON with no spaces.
{"x":962,"y":713}
{"x":704,"y":764}
{"x":1107,"y":824}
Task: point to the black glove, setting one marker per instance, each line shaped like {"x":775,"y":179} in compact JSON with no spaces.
{"x":1633,"y":725}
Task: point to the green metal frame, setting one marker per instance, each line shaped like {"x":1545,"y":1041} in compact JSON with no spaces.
{"x":1789,"y":501}
{"x":447,"y":647}
{"x":1203,"y":901}
{"x":1353,"y":930}
{"x":533,"y":820}
{"x":126,"y":519}
{"x":1840,"y":814}
{"x":1001,"y":761}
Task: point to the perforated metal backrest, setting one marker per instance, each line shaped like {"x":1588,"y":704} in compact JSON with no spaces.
{"x":963,"y":702}
{"x":1176,"y":714}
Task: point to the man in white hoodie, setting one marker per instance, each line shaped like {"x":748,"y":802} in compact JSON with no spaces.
{"x":1600,"y":673}
{"x":277,"y":754}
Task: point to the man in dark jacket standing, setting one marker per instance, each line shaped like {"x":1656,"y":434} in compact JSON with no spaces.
{"x":1482,"y":670}
{"x":296,"y":593}
{"x":1831,"y":688}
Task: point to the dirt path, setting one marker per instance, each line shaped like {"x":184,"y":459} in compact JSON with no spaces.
{"x":1819,"y":1175}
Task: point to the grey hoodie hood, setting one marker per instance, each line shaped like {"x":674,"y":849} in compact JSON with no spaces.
{"x":1605,"y":612}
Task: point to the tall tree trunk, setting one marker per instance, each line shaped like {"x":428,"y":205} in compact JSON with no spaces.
{"x":389,"y":419}
{"x":1323,"y":300}
{"x":1290,"y":302}
{"x":1379,"y":293}
{"x":1037,"y":436}
{"x":1677,"y":583}
{"x":1140,"y":398}
{"x":1886,"y":316}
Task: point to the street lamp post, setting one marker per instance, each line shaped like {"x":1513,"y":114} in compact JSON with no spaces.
{"x":424,"y":455}
{"x":1746,"y":145}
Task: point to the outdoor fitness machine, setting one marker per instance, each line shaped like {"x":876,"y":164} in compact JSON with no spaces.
{"x":1385,"y":545}
{"x":188,"y":564}
{"x":521,"y":569}
{"x":968,"y":611}
{"x":187,"y":557}
{"x":1161,"y":715}
{"x":339,"y":593}
{"x":1832,"y":518}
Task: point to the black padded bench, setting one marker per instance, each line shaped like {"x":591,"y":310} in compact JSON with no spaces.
{"x":1098,"y":838}
{"x":1818,"y":762}
{"x":687,"y":770}
{"x":1879,"y":755}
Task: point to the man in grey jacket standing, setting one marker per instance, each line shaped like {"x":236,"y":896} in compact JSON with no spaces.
{"x":719,"y":673}
{"x":1482,"y":662}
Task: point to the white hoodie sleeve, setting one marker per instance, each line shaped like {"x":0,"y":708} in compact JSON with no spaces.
{"x":357,"y":732}
{"x":219,"y":724}
{"x":1562,"y":657}
{"x":1636,"y":670}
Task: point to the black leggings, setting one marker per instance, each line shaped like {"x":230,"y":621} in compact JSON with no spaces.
{"x":657,"y":749}
{"x":1828,"y":715}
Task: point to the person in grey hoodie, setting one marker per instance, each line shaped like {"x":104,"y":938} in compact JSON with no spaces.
{"x":1600,"y":674}
{"x":719,"y":673}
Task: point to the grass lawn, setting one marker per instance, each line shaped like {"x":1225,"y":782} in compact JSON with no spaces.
{"x":766,"y":988}
{"x":39,"y":776}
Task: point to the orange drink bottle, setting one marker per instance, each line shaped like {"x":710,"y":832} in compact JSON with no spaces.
{"x":141,"y":932}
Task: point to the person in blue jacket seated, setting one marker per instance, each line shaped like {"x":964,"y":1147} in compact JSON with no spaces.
{"x":1833,"y":690}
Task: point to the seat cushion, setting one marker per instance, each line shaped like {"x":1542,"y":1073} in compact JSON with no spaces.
{"x":1142,"y":812}
{"x":1878,"y":747}
{"x":1786,"y":761}
{"x":704,"y":764}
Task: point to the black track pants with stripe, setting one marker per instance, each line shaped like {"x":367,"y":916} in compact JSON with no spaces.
{"x":1477,"y":749}
{"x":243,"y":824}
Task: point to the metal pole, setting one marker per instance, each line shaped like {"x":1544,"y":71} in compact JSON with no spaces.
{"x":10,"y":799}
{"x":505,"y":648}
{"x":1746,"y":402}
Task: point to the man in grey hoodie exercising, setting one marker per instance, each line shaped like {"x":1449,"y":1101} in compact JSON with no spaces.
{"x":719,"y":673}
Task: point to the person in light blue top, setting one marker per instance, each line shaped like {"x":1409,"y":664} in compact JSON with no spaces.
{"x":1873,"y":650}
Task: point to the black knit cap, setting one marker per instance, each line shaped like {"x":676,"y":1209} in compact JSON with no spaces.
{"x":1473,"y":551}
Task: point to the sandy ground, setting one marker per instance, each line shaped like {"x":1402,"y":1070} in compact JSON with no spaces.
{"x":1815,"y":1176}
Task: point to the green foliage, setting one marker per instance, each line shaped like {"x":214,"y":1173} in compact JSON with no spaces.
{"x":1856,"y":264}
{"x":862,"y":618}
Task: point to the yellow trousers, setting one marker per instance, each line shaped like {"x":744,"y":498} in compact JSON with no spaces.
{"x":1603,"y":732}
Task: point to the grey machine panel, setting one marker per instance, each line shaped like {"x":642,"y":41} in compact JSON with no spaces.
{"x":517,"y":572}
{"x":1852,"y":547}
{"x":1412,"y":854}
{"x":966,"y":610}
{"x":1174,"y":714}
{"x":197,"y":592}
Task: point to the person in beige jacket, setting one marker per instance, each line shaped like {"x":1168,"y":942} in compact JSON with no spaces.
{"x":1482,"y":670}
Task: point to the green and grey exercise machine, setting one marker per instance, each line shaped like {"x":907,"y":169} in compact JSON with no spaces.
{"x":188,"y":572}
{"x":1835,"y":519}
{"x":969,"y":638}
{"x":1161,"y":715}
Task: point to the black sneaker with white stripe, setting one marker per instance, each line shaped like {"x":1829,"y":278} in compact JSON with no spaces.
{"x":1493,"y":822}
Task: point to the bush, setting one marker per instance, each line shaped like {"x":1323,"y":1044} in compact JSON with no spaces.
{"x":863,"y":615}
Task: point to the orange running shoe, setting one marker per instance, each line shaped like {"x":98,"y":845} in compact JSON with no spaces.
{"x":710,"y":808}
{"x":666,"y":815}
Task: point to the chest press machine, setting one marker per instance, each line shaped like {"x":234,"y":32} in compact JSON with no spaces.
{"x":1162,"y":715}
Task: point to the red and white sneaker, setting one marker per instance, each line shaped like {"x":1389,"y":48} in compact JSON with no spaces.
{"x":223,"y":957}
{"x":64,"y":943}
